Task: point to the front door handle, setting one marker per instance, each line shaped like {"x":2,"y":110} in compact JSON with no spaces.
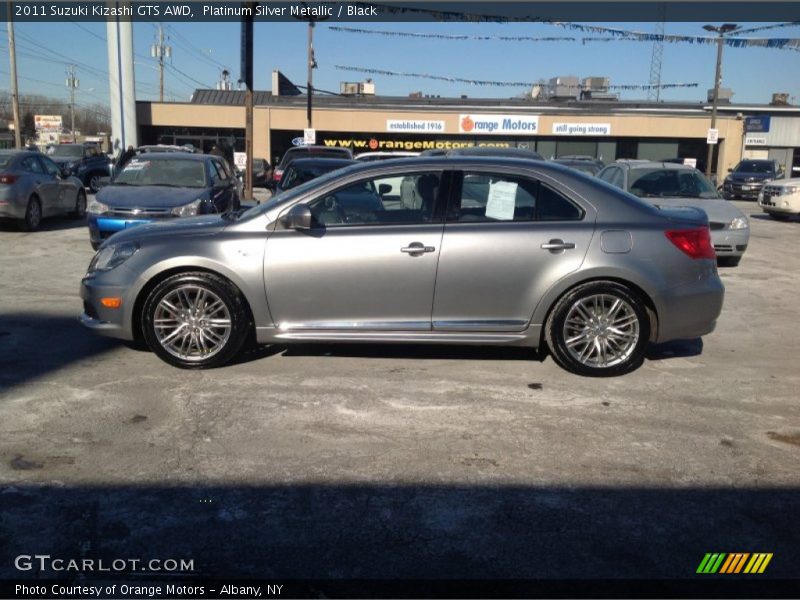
{"x":555,"y":246}
{"x":417,"y":248}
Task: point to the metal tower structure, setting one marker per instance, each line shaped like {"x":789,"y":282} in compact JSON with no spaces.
{"x":654,"y":91}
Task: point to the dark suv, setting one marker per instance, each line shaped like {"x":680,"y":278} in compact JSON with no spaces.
{"x":748,"y":177}
{"x":84,"y":161}
{"x":308,"y":152}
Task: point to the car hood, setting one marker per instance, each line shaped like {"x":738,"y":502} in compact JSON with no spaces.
{"x":749,"y":177}
{"x":788,"y":182}
{"x":172,"y":228}
{"x":717,"y":209}
{"x":148,"y":196}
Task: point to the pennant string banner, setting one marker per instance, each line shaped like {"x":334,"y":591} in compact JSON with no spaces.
{"x":482,"y":82}
{"x":611,"y":35}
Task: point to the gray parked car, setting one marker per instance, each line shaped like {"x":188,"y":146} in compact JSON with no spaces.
{"x":497,"y":251}
{"x":669,"y":184}
{"x":33,"y":187}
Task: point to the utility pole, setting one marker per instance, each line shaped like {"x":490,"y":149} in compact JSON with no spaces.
{"x":312,"y":64}
{"x":72,"y":84}
{"x":12,"y":57}
{"x":246,"y":66}
{"x":160,"y":51}
{"x":721,"y":31}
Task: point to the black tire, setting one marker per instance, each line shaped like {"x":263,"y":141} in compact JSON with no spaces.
{"x":631,"y":319}
{"x":93,"y":182}
{"x":33,"y":215}
{"x":728,"y":261}
{"x":235,"y":311}
{"x":80,"y":206}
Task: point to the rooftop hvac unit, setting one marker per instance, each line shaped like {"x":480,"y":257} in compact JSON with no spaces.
{"x":367,"y":88}
{"x":564,"y":87}
{"x":781,"y":99}
{"x":348,"y":88}
{"x":596,"y":84}
{"x":724,"y":95}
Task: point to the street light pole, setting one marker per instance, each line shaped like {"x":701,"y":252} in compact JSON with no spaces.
{"x":721,"y":31}
{"x":12,"y":57}
{"x":312,"y":63}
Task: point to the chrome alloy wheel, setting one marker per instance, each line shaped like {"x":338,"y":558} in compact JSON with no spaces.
{"x":601,"y":330}
{"x":192,"y":323}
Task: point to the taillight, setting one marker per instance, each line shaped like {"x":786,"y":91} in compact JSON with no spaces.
{"x":8,"y":179}
{"x":276,"y":175}
{"x":696,"y":243}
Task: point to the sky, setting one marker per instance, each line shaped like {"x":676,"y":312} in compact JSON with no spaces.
{"x":201,"y":50}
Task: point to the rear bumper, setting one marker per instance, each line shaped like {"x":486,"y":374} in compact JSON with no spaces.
{"x":691,"y":310}
{"x":11,"y":207}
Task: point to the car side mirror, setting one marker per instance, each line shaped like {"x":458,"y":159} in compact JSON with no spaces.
{"x":103,"y":182}
{"x":299,"y":217}
{"x":63,"y":173}
{"x":384,"y":188}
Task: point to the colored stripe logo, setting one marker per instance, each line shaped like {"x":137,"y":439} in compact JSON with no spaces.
{"x":734,"y":563}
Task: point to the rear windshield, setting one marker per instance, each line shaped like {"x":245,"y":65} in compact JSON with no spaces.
{"x":298,"y":175}
{"x":670,"y":183}
{"x":170,"y":172}
{"x":66,"y":151}
{"x":315,"y":153}
{"x":755,"y":166}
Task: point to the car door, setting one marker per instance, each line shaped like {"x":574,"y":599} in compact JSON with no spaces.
{"x":222,"y":186}
{"x":45,"y":186}
{"x":364,"y":266}
{"x":507,"y":239}
{"x":65,"y":191}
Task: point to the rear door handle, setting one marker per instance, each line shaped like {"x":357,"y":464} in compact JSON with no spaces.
{"x":555,"y":246}
{"x":416,"y":248}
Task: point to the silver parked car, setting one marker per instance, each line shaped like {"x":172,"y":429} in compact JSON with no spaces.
{"x":669,"y":184}
{"x":33,"y":187}
{"x":497,"y":251}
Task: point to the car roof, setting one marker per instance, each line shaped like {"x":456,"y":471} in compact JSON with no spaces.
{"x":496,"y":151}
{"x":15,"y":152}
{"x":172,"y":155}
{"x":654,"y":164}
{"x":316,"y":161}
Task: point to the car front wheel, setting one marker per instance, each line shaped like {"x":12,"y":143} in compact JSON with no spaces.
{"x":599,"y":329}
{"x":195,"y":320}
{"x":33,"y":215}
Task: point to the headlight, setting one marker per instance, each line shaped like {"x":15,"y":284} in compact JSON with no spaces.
{"x":97,"y":208}
{"x":739,"y":223}
{"x":188,"y":210}
{"x":112,"y":256}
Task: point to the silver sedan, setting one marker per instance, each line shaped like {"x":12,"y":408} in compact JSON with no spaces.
{"x":496,"y":251}
{"x":33,"y":187}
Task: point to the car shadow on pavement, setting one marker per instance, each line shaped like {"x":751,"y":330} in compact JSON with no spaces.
{"x":49,"y":224}
{"x":675,"y":349}
{"x":385,"y":531}
{"x":34,"y":344}
{"x":766,"y":217}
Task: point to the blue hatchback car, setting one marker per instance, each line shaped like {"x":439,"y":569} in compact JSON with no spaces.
{"x":161,"y":186}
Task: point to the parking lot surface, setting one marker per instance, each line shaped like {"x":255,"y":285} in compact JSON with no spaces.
{"x":369,"y":461}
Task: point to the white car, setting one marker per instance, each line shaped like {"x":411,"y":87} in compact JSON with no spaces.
{"x":780,"y":199}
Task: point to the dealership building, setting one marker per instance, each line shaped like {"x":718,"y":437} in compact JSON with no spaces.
{"x":606,"y":128}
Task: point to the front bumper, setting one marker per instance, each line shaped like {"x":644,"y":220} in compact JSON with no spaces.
{"x":102,"y":227}
{"x":111,"y":322}
{"x":730,"y":242}
{"x":742,"y":190}
{"x":788,"y":204}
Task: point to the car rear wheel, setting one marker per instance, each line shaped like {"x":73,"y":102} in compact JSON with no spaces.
{"x":80,"y":205}
{"x":599,"y":329}
{"x":195,"y":320}
{"x":33,"y":215}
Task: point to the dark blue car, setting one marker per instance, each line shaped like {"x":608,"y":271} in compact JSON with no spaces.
{"x":160,"y":186}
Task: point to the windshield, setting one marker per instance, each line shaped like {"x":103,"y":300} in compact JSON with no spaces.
{"x":171,"y":172}
{"x":299,"y":175}
{"x":671,"y":183}
{"x":754,"y":166}
{"x":66,"y":151}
